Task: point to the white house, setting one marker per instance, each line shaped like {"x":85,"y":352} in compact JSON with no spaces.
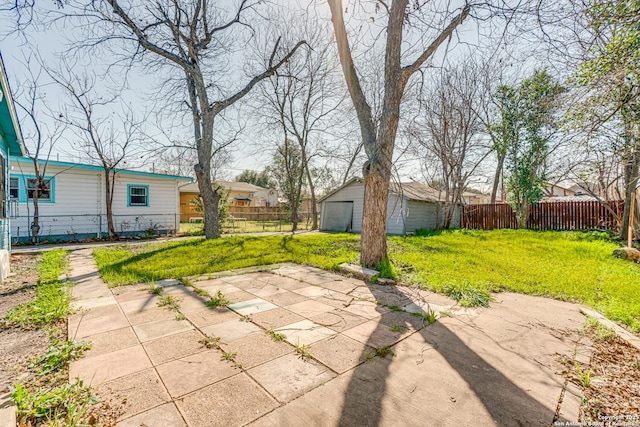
{"x":10,"y":143}
{"x":73,"y":205}
{"x":411,"y":206}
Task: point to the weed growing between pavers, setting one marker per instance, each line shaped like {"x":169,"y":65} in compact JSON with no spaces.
{"x":381,"y":352}
{"x":210,"y":342}
{"x":231,"y":357}
{"x":218,"y":301}
{"x":170,"y":302}
{"x":303,"y":351}
{"x":246,"y":318}
{"x":275,"y":335}
{"x":429,"y":316}
{"x":398,"y":328}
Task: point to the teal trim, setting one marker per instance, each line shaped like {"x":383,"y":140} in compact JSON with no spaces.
{"x":70,"y":165}
{"x":129,"y":187}
{"x":10,"y":133}
{"x":22,"y":188}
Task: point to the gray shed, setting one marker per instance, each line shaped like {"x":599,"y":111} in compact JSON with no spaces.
{"x":411,"y":206}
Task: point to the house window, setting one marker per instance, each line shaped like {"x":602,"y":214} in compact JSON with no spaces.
{"x":138,"y":195}
{"x":14,"y":188}
{"x":44,"y":190}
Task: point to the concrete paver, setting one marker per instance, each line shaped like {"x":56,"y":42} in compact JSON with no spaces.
{"x":98,"y":369}
{"x":211,"y":316}
{"x":496,"y":366}
{"x":252,"y":306}
{"x":305,"y":332}
{"x":107,"y":342}
{"x":256,"y":349}
{"x":340,"y":353}
{"x":173,"y":347}
{"x":160,"y":329}
{"x":161,"y":416}
{"x":142,"y":391}
{"x":191,"y":373}
{"x":274,"y":319}
{"x":338,"y":320}
{"x":232,"y":402}
{"x":309,"y":308}
{"x":290,"y":376}
{"x":231,"y":330}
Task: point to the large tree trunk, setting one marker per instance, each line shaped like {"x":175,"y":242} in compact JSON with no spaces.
{"x":314,"y":209}
{"x":631,"y":173}
{"x":210,"y":201}
{"x":496,"y":178}
{"x":373,"y":240}
{"x":35,"y":224}
{"x":108,"y":191}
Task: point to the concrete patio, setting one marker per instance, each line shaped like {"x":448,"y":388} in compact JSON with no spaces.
{"x":495,"y":366}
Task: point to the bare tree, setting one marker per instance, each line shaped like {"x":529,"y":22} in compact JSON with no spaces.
{"x":289,"y":172}
{"x":303,"y":101}
{"x":40,"y":140}
{"x":448,"y":132}
{"x":106,"y":142}
{"x":197,"y":38}
{"x":379,"y":133}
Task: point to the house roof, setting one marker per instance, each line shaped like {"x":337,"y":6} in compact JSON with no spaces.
{"x":576,"y":198}
{"x":411,"y":190}
{"x":10,"y":131}
{"x":229,"y":185}
{"x":417,"y":191}
{"x":70,"y":165}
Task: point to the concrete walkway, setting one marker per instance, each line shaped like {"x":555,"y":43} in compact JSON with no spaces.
{"x":496,"y":366}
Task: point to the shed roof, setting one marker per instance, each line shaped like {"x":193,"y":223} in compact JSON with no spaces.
{"x":411,"y":190}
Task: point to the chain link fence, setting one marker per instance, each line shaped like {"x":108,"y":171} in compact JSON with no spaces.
{"x":74,"y":227}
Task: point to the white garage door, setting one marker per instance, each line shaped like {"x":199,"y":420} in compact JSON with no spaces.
{"x":337,"y":216}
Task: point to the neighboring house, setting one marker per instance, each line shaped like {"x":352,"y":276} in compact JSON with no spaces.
{"x":411,"y":206}
{"x":471,"y":198}
{"x":73,"y":204}
{"x":555,"y":190}
{"x":241,"y":194}
{"x":10,"y":144}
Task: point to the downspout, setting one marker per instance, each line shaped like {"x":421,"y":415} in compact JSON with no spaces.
{"x":100,"y":201}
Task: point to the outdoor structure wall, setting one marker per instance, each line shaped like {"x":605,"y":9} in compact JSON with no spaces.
{"x":78,"y":207}
{"x":427,"y":215}
{"x":5,"y":241}
{"x":354,"y":192}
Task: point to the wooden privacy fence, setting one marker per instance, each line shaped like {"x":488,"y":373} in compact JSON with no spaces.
{"x":574,"y":215}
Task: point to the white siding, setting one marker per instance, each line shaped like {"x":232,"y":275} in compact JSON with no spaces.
{"x":354,"y":192}
{"x":79,"y":208}
{"x":427,"y":215}
{"x":396,"y":208}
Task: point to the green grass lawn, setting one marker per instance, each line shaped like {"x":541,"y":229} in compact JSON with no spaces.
{"x":568,"y":266}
